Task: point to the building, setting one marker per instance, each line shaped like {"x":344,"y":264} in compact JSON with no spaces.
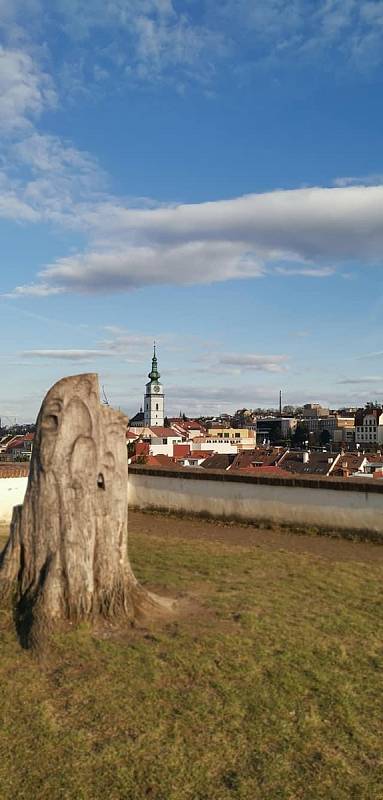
{"x":308,"y":463}
{"x":316,"y":425}
{"x":313,"y":410}
{"x":17,"y":448}
{"x":274,"y":428}
{"x":162,"y":440}
{"x":345,"y":430}
{"x":369,"y":426}
{"x":224,"y":444}
{"x":154,"y":397}
{"x":153,"y":413}
{"x":229,"y":434}
{"x":257,"y":458}
{"x":188,"y":428}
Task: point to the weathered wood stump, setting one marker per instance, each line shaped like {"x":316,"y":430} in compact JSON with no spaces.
{"x":67,"y":557}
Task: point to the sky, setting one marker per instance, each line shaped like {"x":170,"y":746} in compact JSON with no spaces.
{"x":205,"y":173}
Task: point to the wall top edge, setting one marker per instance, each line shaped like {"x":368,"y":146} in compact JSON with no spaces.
{"x":335,"y":484}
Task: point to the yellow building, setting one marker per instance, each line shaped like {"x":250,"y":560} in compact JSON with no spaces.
{"x":230,"y":434}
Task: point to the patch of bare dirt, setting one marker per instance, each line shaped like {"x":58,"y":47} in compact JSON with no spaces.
{"x":331,"y":548}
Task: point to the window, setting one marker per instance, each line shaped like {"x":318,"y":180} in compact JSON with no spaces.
{"x":164,"y":441}
{"x":156,"y":406}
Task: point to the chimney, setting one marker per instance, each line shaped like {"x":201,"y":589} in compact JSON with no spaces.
{"x":306,"y":457}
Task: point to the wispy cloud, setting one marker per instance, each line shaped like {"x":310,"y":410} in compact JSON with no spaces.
{"x":150,"y":41}
{"x":25,"y":89}
{"x":254,"y":361}
{"x":319,"y":272}
{"x":68,"y":355}
{"x":361,"y":180}
{"x":377,"y":354}
{"x":363,"y":380}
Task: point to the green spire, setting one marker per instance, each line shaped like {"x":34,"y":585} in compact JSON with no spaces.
{"x":154,"y":375}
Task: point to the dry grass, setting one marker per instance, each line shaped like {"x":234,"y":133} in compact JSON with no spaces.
{"x":270,"y":690}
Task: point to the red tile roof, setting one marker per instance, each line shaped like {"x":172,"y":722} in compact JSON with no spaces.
{"x":259,"y":471}
{"x":201,"y":453}
{"x":142,"y":448}
{"x":18,"y":441}
{"x":131,"y":435}
{"x":348,"y":462}
{"x":188,"y":424}
{"x":161,"y":460}
{"x":258,"y":457}
{"x":181,"y":450}
{"x":164,"y":433}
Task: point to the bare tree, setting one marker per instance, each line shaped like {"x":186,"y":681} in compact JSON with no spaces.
{"x":66,"y":558}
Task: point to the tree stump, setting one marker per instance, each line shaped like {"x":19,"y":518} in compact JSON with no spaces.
{"x":67,"y":556}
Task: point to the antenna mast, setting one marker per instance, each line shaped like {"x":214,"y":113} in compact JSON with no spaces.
{"x":104,"y":397}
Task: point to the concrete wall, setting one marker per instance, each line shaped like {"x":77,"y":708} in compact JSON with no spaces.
{"x":324,"y":502}
{"x":12,"y":491}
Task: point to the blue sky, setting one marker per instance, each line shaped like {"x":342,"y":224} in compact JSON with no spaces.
{"x":205,"y":173}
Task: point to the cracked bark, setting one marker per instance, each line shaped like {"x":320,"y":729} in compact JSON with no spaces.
{"x":67,"y":555}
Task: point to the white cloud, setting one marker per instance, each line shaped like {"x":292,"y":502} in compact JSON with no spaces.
{"x":297,"y":231}
{"x":25,"y":90}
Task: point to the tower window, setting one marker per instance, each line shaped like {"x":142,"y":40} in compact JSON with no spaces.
{"x":156,"y":406}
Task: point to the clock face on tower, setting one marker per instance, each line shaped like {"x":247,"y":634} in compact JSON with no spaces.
{"x":156,"y":389}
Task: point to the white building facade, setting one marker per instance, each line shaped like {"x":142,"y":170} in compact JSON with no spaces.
{"x":154,"y":399}
{"x":369,"y":426}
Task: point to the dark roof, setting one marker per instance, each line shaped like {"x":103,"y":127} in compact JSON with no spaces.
{"x":137,"y":418}
{"x":317,"y":464}
{"x":219,"y":461}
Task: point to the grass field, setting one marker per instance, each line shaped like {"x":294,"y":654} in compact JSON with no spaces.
{"x":267,"y":687}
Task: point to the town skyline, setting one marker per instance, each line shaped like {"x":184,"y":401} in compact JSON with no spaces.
{"x":211,"y":407}
{"x":207,"y":175}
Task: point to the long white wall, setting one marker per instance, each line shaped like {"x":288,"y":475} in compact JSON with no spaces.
{"x":355,"y":507}
{"x":12,"y":491}
{"x":329,"y":503}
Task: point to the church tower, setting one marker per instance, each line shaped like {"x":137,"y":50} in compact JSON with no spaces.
{"x":154,"y":397}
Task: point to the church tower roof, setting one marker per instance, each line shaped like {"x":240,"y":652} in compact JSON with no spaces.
{"x":154,"y":375}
